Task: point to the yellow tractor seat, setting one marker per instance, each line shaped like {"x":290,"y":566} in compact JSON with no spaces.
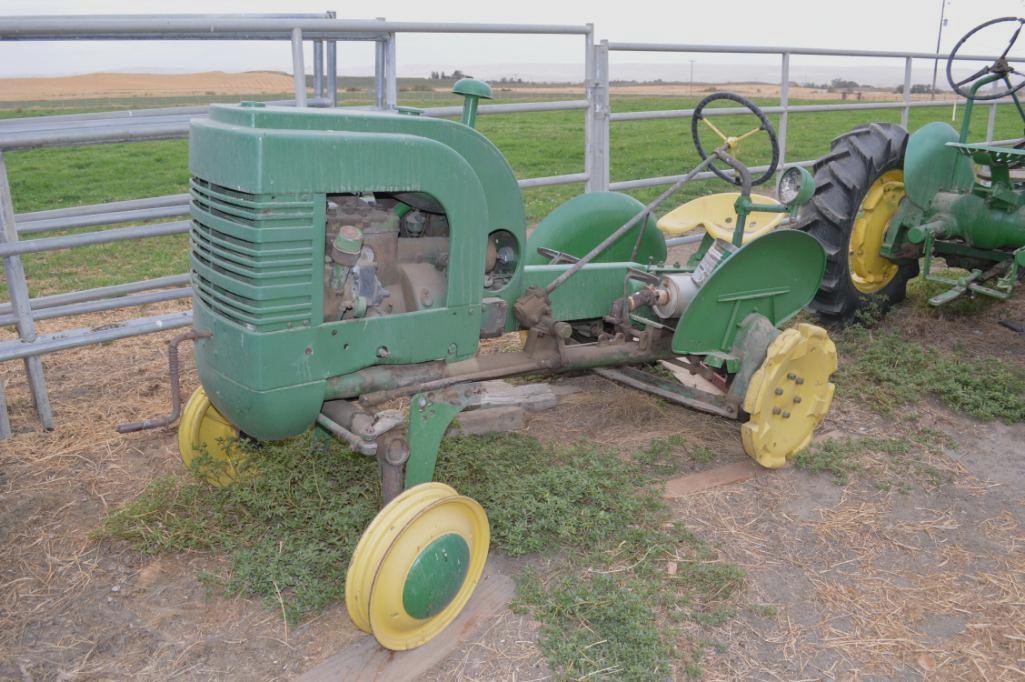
{"x":715,"y":214}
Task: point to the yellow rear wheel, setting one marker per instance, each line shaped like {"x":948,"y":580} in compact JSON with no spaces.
{"x":207,"y":441}
{"x":870,"y":271}
{"x":416,"y":565}
{"x":789,"y":395}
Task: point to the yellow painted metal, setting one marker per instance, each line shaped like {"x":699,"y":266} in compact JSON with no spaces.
{"x":732,"y":141}
{"x":715,"y":213}
{"x":204,"y":432}
{"x":870,"y":271}
{"x":373,"y":545}
{"x":391,"y":625}
{"x":789,"y":395}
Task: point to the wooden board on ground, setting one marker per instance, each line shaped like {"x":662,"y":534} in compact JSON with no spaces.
{"x":507,"y":406}
{"x":365,"y":659}
{"x":490,"y":420}
{"x":713,"y":478}
{"x":687,"y":379}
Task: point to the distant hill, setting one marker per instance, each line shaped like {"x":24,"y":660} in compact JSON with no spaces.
{"x":109,"y":85}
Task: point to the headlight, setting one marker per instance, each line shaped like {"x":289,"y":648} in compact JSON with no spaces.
{"x":795,"y":186}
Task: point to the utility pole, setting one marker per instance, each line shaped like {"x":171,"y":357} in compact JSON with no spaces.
{"x":939,"y":37}
{"x":692,"y":76}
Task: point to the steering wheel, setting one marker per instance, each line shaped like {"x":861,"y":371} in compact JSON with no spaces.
{"x":732,"y":142}
{"x":1000,"y":67}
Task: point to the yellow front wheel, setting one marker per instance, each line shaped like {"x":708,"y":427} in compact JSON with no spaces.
{"x":789,"y":395}
{"x":416,"y":565}
{"x":207,"y":441}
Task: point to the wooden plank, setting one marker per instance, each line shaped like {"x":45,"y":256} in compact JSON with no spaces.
{"x":532,"y":397}
{"x":365,"y":659}
{"x":687,"y":379}
{"x":713,"y":478}
{"x":490,"y":420}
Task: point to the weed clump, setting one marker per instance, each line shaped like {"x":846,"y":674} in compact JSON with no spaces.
{"x":290,"y":522}
{"x":896,"y":373}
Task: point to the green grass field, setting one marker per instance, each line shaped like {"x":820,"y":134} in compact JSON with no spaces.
{"x":536,"y":144}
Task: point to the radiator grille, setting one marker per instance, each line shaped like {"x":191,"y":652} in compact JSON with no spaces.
{"x":252,"y":256}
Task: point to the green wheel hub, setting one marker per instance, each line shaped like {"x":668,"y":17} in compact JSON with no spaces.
{"x":436,"y":575}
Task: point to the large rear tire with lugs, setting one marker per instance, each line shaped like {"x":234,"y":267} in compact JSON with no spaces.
{"x":859,"y":185}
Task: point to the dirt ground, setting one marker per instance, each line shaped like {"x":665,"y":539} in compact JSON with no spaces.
{"x":916,"y":579}
{"x":748,"y":89}
{"x":105,"y":85}
{"x":100,"y":85}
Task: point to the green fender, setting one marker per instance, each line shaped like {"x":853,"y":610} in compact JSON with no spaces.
{"x":774,"y":276}
{"x":581,"y":223}
{"x":930,"y":166}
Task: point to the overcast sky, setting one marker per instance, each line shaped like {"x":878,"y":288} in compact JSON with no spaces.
{"x":865,"y":24}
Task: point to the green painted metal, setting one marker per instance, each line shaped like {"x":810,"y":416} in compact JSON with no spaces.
{"x":966,"y":121}
{"x":472,"y":90}
{"x":259,"y":195}
{"x":436,"y":575}
{"x":775,"y":275}
{"x":949,"y":213}
{"x":750,"y":345}
{"x":581,"y":223}
{"x":429,"y":417}
{"x":227,"y":146}
{"x":585,"y":296}
{"x":974,"y":219}
{"x":930,"y":166}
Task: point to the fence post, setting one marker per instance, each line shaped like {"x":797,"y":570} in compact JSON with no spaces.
{"x":598,"y":120}
{"x":332,"y":68}
{"x":784,"y":103}
{"x":391,"y":89}
{"x":298,"y":67}
{"x":5,"y":420}
{"x":906,"y":111}
{"x":318,"y":68}
{"x":589,"y":83}
{"x":18,"y":289}
{"x":991,"y":122}
{"x":332,"y":73}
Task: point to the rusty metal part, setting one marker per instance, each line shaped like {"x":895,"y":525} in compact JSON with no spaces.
{"x":532,"y":307}
{"x":496,"y":365}
{"x":176,"y":387}
{"x":357,"y":427}
{"x":391,"y":459}
{"x":716,"y":403}
{"x":355,"y":442}
{"x":492,"y":317}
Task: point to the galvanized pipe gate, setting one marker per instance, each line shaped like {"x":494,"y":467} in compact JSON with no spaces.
{"x":324,"y":32}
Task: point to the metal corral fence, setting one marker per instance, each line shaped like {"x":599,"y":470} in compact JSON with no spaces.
{"x":324,"y":31}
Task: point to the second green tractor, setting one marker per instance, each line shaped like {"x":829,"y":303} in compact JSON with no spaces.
{"x":888,"y":205}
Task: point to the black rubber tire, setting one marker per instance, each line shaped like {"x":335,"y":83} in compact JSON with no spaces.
{"x":842,"y":179}
{"x":728,"y":175}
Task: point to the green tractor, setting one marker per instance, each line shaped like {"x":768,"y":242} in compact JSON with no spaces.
{"x":887,"y":205}
{"x":346,"y":265}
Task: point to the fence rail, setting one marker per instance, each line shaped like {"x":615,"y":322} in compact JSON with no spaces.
{"x":323,"y":31}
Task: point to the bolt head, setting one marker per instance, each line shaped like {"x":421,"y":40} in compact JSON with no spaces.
{"x":778,"y":391}
{"x":786,"y":415}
